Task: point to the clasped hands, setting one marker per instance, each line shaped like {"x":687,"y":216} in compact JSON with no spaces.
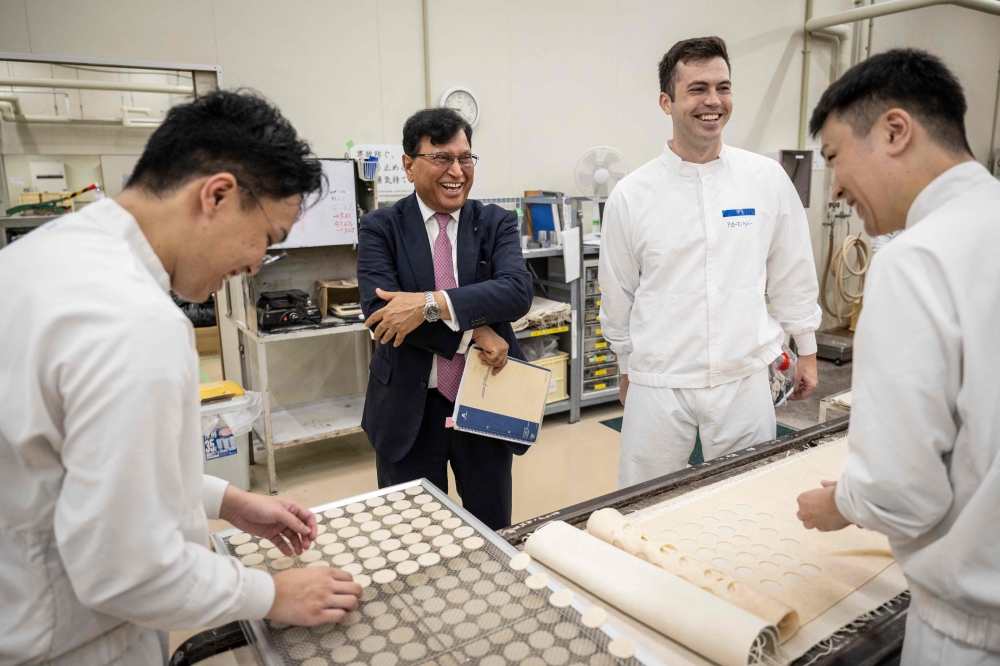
{"x":404,"y":312}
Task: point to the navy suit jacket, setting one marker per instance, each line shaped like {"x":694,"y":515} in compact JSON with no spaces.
{"x":495,"y":289}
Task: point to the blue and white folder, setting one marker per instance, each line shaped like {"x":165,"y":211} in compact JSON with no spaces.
{"x":509,"y":405}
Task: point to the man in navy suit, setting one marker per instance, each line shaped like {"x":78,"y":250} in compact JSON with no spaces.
{"x":438,"y":272}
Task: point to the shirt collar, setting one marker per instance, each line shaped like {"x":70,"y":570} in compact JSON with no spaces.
{"x":109,"y":216}
{"x":675,"y":163}
{"x":944,"y":188}
{"x":427,"y":212}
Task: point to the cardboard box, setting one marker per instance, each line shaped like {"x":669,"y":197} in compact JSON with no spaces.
{"x":335,"y":292}
{"x":207,"y":340}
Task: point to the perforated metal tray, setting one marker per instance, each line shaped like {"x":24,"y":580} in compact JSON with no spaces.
{"x":471,"y":608}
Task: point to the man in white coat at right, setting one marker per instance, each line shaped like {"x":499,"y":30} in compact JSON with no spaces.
{"x":923,"y":467}
{"x":693,"y":245}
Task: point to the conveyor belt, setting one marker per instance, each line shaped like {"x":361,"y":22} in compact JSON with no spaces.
{"x":875,"y":642}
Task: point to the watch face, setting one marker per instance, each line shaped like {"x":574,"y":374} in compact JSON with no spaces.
{"x":464,"y":103}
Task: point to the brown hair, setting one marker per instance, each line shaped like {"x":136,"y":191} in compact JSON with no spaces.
{"x":699,"y":49}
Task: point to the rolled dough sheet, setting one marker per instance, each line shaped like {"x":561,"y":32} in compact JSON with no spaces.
{"x":612,"y":527}
{"x":747,"y":527}
{"x":653,"y":596}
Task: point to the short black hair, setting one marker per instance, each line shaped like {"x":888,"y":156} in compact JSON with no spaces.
{"x":909,"y":79}
{"x":440,"y":124}
{"x":698,"y":49}
{"x":238,"y":132}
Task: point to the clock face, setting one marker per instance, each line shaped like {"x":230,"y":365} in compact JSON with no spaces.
{"x":464,"y":102}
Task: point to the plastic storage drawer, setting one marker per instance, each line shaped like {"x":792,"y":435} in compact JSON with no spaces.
{"x":598,"y":371}
{"x":593,"y":316}
{"x":600,"y":357}
{"x":592,"y":331}
{"x":591,"y":272}
{"x":596,"y":344}
{"x":600,"y":384}
{"x":593,"y":302}
{"x":593,"y":287}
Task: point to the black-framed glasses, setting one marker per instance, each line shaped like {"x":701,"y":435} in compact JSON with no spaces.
{"x":445,"y":160}
{"x":268,"y":258}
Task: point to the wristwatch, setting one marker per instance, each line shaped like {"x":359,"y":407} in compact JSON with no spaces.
{"x":431,"y":311}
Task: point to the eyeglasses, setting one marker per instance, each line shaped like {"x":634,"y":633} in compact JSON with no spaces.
{"x":268,"y":258}
{"x":445,"y":160}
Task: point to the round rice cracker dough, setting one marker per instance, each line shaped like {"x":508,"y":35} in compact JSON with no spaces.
{"x":407,"y":567}
{"x":562,"y":599}
{"x":374,"y":563}
{"x":395,"y":497}
{"x":450,"y":550}
{"x":358,"y":542}
{"x":384,"y":576}
{"x":338,"y":523}
{"x":354,"y":568}
{"x":375,"y":501}
{"x":318,"y":563}
{"x":310,"y":556}
{"x":419,"y":548}
{"x":370,"y":526}
{"x":390,"y":545}
{"x":423,"y":499}
{"x":397,"y":556}
{"x":252,"y":559}
{"x":348,"y":532}
{"x":282,"y":563}
{"x":239,"y":539}
{"x":451,"y":523}
{"x":520,"y":562}
{"x":342,"y":559}
{"x":414,"y":490}
{"x":333,"y":513}
{"x":442,"y":540}
{"x":275,"y":554}
{"x":411,"y":538}
{"x":380,"y":535}
{"x":432,"y":531}
{"x":538,"y":581}
{"x":622,"y":648}
{"x":428,"y":559}
{"x":392,"y":519}
{"x":265,"y":544}
{"x":473,"y":543}
{"x":464,"y":532}
{"x":320,"y":529}
{"x":420,"y":522}
{"x":334,"y":549}
{"x":326,"y":539}
{"x":594,"y":617}
{"x":356,"y":507}
{"x":410,"y":514}
{"x":246,"y":548}
{"x":442,"y":514}
{"x":360,"y":518}
{"x":382,"y":511}
{"x":362,"y":580}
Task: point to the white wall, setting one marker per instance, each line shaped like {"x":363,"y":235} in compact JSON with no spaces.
{"x":554,"y":77}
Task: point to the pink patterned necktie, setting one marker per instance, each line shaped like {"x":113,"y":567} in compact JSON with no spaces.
{"x":449,"y":372}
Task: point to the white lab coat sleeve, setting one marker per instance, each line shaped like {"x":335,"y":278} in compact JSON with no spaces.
{"x":118,"y":522}
{"x":791,"y":271}
{"x":907,"y":374}
{"x":619,"y":277}
{"x":213,"y":491}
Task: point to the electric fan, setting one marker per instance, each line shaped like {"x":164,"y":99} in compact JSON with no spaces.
{"x":597,"y":172}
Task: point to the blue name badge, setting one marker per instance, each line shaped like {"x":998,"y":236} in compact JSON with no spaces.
{"x":738,"y":213}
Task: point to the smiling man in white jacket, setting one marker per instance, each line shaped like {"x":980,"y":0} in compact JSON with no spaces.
{"x":103,"y":500}
{"x":923,"y":466}
{"x":692,"y":244}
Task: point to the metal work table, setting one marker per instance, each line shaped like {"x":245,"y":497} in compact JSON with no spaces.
{"x":876,"y":644}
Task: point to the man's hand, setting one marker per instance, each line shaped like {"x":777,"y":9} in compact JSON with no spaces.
{"x":270,"y":518}
{"x":818,"y":509}
{"x":403,"y":312}
{"x":313,"y":595}
{"x":806,"y":377}
{"x":623,"y":389}
{"x":494,"y":348}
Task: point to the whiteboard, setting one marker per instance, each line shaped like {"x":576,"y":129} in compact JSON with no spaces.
{"x":333,"y":220}
{"x":390,"y":177}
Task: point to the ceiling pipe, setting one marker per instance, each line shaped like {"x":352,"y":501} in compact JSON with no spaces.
{"x":82,"y":84}
{"x":833,"y":26}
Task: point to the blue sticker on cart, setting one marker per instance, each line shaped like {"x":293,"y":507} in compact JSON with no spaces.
{"x":219,"y":444}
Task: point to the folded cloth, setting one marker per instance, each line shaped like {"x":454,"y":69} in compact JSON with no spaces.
{"x":543,"y":313}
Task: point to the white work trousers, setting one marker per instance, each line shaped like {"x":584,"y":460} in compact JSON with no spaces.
{"x":661,"y":424}
{"x":926,"y":646}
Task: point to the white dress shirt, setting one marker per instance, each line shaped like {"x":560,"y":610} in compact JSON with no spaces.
{"x":923,"y":466}
{"x":432,"y":234}
{"x":688,"y":254}
{"x":103,"y":500}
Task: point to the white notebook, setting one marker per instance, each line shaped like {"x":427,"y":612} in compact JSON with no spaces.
{"x":509,"y":405}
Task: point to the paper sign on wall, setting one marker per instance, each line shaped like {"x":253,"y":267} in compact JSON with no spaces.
{"x":333,"y":220}
{"x":390,"y":177}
